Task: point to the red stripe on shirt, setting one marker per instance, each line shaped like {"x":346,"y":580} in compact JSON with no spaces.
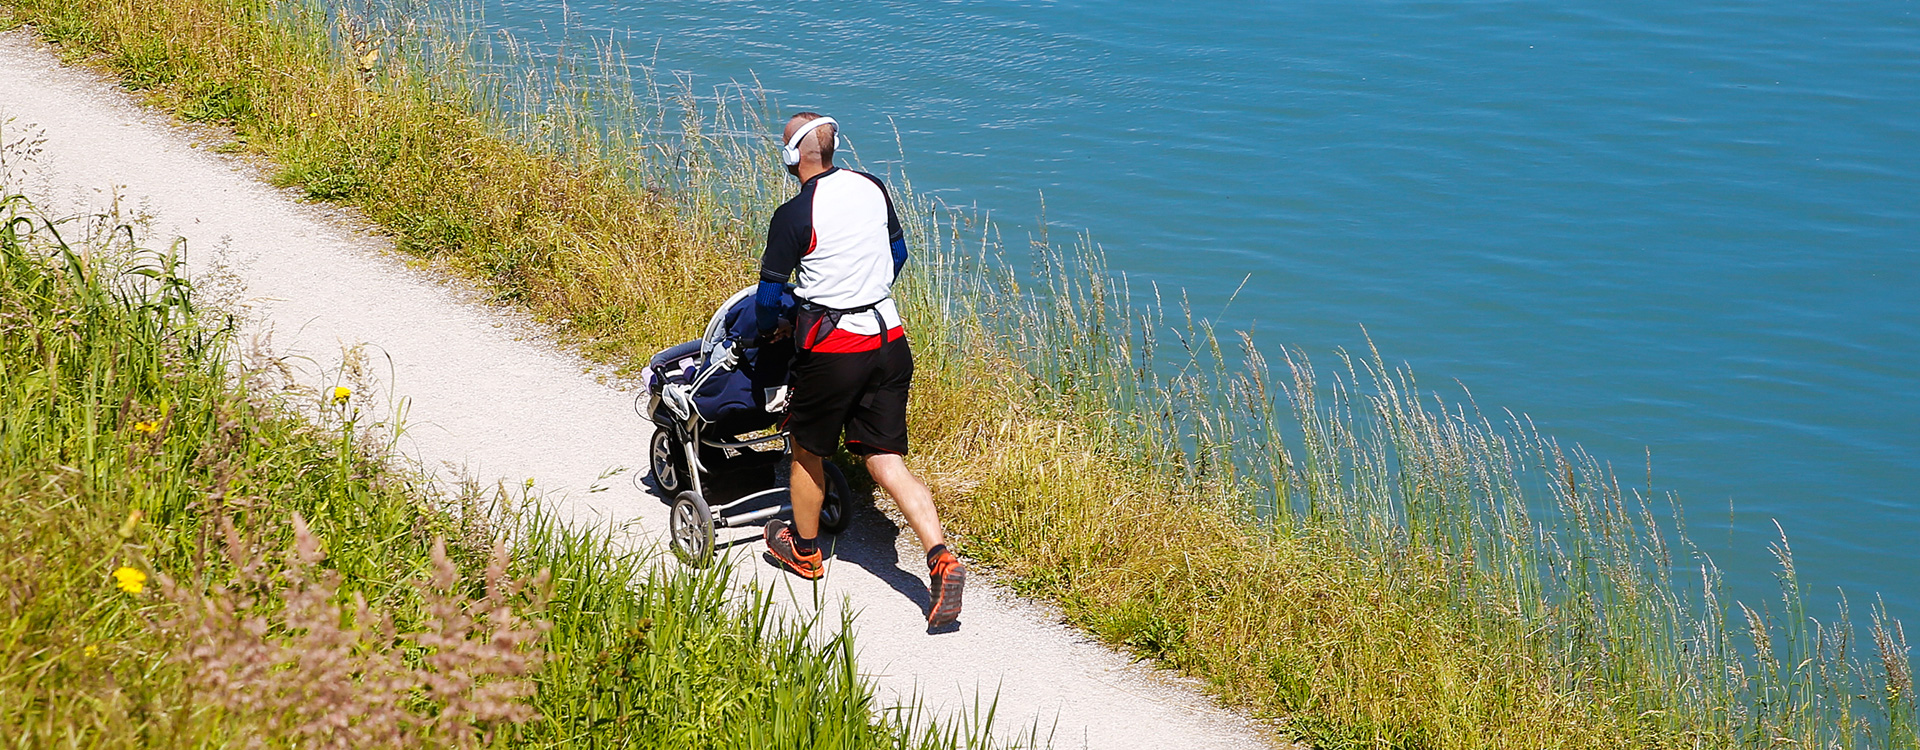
{"x":842,"y":341}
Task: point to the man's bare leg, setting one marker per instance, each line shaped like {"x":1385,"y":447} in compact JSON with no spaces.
{"x":916,"y":503}
{"x":806,"y":490}
{"x":793,"y":545}
{"x":948,"y":576}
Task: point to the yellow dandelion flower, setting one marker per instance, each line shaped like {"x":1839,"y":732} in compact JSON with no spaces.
{"x":130,"y":580}
{"x":146,"y":427}
{"x":91,"y":651}
{"x":341,"y":394}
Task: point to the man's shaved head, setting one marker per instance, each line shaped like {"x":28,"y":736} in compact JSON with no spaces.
{"x":818,"y":144}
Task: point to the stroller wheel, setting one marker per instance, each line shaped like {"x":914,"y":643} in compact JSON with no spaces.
{"x":691,"y":525}
{"x":669,"y":467}
{"x":836,"y":510}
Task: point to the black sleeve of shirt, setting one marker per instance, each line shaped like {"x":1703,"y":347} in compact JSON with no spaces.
{"x":894,"y":235}
{"x":896,"y":239}
{"x":788,"y":235}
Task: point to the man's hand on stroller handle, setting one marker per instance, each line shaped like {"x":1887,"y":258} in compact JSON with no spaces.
{"x":780,"y":331}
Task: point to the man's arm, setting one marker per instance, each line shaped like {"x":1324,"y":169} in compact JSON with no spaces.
{"x":895,"y":238}
{"x":788,"y":236}
{"x":767,"y":307}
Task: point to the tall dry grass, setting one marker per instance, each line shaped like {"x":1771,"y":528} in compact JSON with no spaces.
{"x":1345,"y":554}
{"x":1409,"y":571}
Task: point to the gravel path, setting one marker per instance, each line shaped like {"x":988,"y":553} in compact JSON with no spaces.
{"x":487,"y":394}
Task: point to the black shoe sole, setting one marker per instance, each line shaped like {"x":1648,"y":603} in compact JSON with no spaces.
{"x":946,"y":600}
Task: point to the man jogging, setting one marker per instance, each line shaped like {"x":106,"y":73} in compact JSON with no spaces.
{"x":839,"y":244}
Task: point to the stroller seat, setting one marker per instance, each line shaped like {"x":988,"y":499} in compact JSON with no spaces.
{"x":704,"y":397}
{"x":722,"y":377}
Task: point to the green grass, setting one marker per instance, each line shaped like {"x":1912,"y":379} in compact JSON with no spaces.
{"x":130,"y":438}
{"x":1347,"y":555}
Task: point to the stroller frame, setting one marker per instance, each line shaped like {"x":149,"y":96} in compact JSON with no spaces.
{"x":679,"y":470}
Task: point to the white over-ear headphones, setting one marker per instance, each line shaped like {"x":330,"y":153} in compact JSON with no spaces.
{"x":790,"y":154}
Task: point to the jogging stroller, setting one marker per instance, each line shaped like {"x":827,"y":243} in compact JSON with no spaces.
{"x":716,"y":403}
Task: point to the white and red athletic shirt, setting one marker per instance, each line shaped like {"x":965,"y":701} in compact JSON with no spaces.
{"x":836,"y":242}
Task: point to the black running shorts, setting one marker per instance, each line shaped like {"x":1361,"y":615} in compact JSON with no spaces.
{"x":863,"y":393}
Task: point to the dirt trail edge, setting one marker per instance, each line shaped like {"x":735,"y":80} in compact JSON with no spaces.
{"x":487,"y":394}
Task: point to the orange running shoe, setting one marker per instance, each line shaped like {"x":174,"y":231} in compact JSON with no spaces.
{"x":949,"y":579}
{"x":782,"y":545}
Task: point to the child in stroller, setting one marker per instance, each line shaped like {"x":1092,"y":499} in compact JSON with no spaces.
{"x":715,"y":403}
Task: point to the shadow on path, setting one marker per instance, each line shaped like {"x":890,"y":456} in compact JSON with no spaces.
{"x":871,"y":543}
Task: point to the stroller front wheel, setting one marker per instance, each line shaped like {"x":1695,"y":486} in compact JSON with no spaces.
{"x":691,"y":526}
{"x":668,"y":465}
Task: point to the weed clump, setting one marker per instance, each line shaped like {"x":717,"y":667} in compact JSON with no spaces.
{"x":275,"y":647}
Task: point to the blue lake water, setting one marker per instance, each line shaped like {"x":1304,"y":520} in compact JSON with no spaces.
{"x":1690,"y":229}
